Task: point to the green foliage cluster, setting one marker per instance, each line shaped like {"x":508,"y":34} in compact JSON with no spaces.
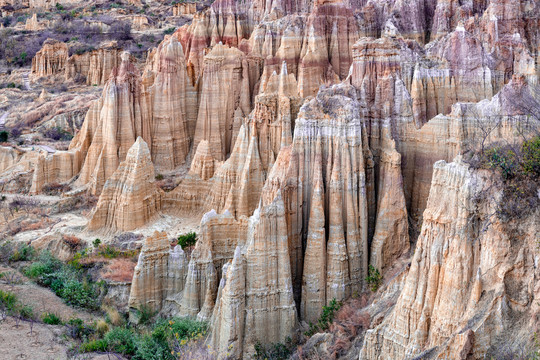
{"x":23,"y":253}
{"x":374,"y":278}
{"x":531,"y":157}
{"x":13,"y":306}
{"x":276,"y":351}
{"x":326,"y":318}
{"x":157,"y":342}
{"x":187,"y":240}
{"x":515,"y":163}
{"x":4,"y":135}
{"x":169,"y":31}
{"x":68,"y":281}
{"x":51,"y":319}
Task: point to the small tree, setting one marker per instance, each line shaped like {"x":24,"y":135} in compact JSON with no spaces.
{"x":374,"y":278}
{"x":4,"y":136}
{"x":187,"y":240}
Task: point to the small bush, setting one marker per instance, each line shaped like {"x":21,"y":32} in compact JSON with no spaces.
{"x":276,"y":351}
{"x":145,"y":314}
{"x":187,"y":240}
{"x":4,"y":136}
{"x":54,"y":188}
{"x":326,"y":318}
{"x":531,"y":157}
{"x":8,"y":300}
{"x":102,"y":327}
{"x":23,"y":253}
{"x":96,"y":243}
{"x":121,"y":340}
{"x":503,"y":159}
{"x":77,"y":329}
{"x":51,"y":319}
{"x":26,"y":312}
{"x":94,"y":345}
{"x":57,"y":134}
{"x":374,"y":278}
{"x":169,"y":30}
{"x":159,"y":177}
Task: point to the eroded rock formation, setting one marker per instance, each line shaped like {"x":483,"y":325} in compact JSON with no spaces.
{"x":470,"y":279}
{"x":160,"y":272}
{"x":51,"y":59}
{"x":130,"y":197}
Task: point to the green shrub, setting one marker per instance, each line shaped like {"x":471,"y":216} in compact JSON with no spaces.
{"x":150,"y":349}
{"x":82,"y":294}
{"x":59,"y":7}
{"x":159,"y":177}
{"x":78,"y":329}
{"x":26,"y":312}
{"x":23,"y":253}
{"x":121,"y":340}
{"x":68,"y":281}
{"x":276,"y":351}
{"x":109,"y":252}
{"x":187,"y":240}
{"x":145,"y":314}
{"x":51,"y":319}
{"x":4,"y":134}
{"x":94,"y":345}
{"x":504,"y":160}
{"x":374,"y":278}
{"x":169,"y":31}
{"x":531,"y":157}
{"x":96,"y":243}
{"x":8,"y":300}
{"x":326,"y":318}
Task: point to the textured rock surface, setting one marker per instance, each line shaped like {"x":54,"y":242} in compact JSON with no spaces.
{"x":160,"y":272}
{"x":94,"y":66}
{"x":130,"y":197}
{"x":471,"y":278}
{"x":51,"y":59}
{"x":254,"y":304}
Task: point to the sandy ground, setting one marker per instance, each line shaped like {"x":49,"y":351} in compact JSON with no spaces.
{"x":42,"y":343}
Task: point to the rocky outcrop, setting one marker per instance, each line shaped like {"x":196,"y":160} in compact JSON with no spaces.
{"x":160,"y":272}
{"x":225,"y":87}
{"x":256,"y":305}
{"x":471,"y":278}
{"x":112,"y":125}
{"x":94,"y":66}
{"x":130,"y":198}
{"x":51,"y":59}
{"x":172,"y":110}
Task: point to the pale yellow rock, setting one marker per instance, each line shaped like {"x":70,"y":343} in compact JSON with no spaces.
{"x":50,"y":60}
{"x":160,"y":272}
{"x":130,"y":197}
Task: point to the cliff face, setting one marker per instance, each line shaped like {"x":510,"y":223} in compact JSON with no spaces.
{"x":160,"y":273}
{"x":471,"y":277}
{"x":313,"y":132}
{"x":130,"y":197}
{"x":51,"y":59}
{"x":94,"y":66}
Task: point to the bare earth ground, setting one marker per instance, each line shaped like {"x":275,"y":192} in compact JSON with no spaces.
{"x":43,"y":343}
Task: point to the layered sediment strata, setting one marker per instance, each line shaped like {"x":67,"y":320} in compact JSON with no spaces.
{"x":224,"y":89}
{"x":112,"y":125}
{"x":160,"y":272}
{"x":51,"y":59}
{"x":256,"y":305}
{"x":457,"y":299}
{"x":130,"y":198}
{"x":94,"y":66}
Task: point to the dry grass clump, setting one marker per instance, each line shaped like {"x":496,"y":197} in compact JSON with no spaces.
{"x":114,"y":317}
{"x":120,"y":270}
{"x":73,"y":242}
